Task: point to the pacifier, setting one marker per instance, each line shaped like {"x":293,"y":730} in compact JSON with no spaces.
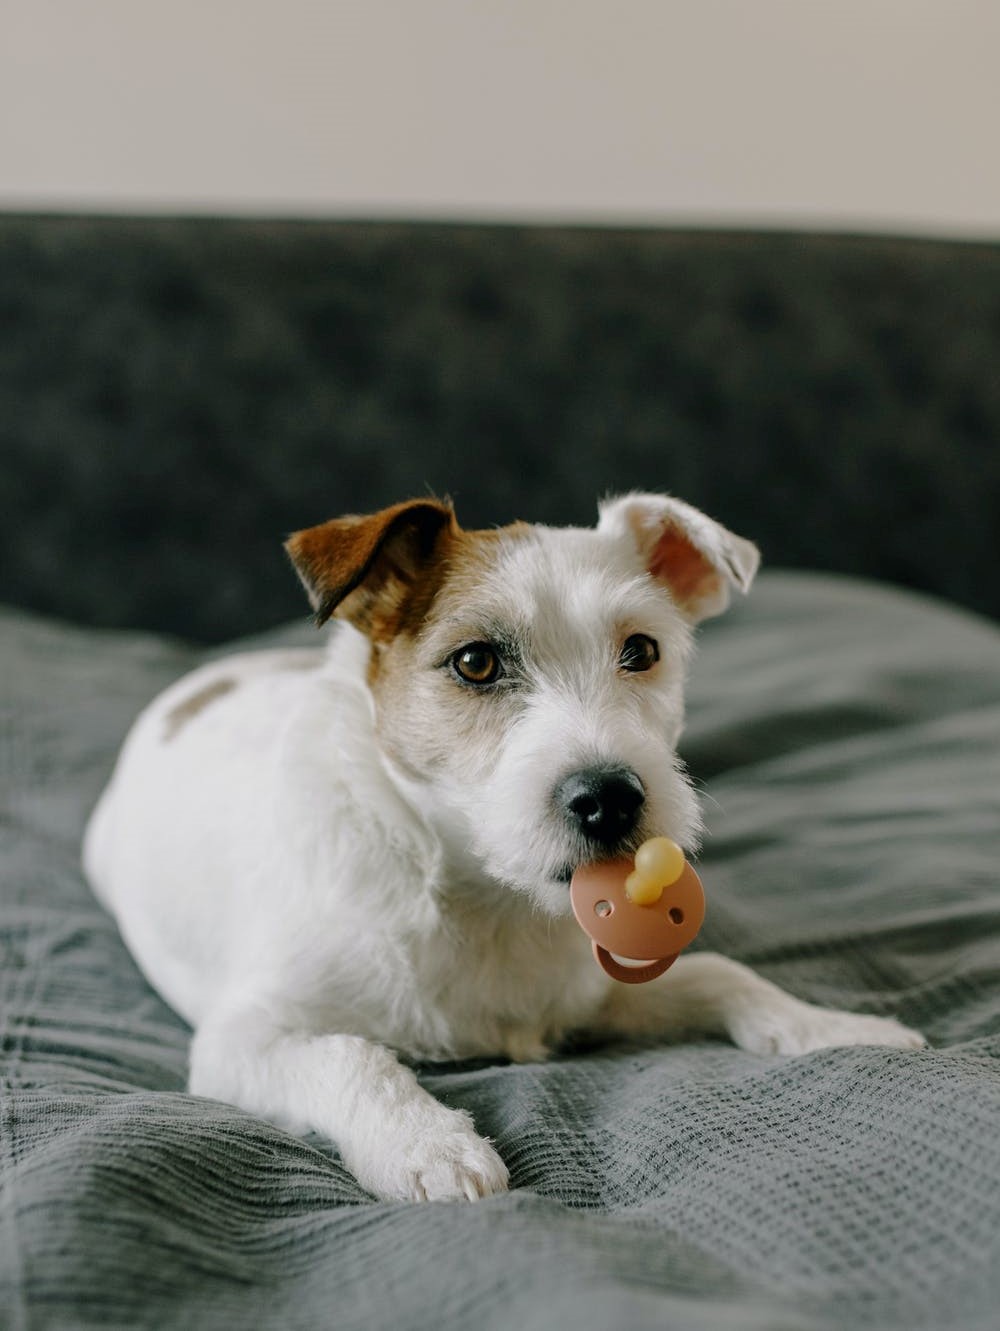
{"x":641,"y":914}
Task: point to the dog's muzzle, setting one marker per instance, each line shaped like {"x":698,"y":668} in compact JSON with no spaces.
{"x":602,"y":803}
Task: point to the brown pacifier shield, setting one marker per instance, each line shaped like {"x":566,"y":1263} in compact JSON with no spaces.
{"x":617,"y":927}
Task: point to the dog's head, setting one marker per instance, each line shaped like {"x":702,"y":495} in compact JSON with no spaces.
{"x":528,"y":681}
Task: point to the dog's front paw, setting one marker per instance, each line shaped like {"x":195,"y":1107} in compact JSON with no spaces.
{"x":440,"y":1161}
{"x":794,"y":1027}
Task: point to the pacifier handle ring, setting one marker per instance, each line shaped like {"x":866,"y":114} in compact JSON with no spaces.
{"x":630,"y":974}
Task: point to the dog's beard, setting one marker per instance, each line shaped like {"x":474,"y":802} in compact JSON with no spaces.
{"x":497,"y":811}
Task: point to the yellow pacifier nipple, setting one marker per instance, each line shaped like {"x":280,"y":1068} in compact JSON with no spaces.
{"x":658,"y":863}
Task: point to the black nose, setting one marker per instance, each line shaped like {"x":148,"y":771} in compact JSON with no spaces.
{"x":602,"y":802}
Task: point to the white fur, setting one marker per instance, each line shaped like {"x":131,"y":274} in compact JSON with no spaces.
{"x":309,"y":895}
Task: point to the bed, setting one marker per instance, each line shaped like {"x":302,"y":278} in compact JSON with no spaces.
{"x":844,"y":732}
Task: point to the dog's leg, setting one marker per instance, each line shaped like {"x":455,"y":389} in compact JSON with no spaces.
{"x":705,"y":994}
{"x":398,"y":1141}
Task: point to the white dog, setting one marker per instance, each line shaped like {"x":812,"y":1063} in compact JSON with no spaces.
{"x":319,"y":858}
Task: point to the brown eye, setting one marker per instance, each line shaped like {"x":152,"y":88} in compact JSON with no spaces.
{"x":477,"y":663}
{"x":638,"y":653}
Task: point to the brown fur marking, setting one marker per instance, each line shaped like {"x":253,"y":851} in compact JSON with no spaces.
{"x":382,"y":572}
{"x":188,"y":708}
{"x":349,"y":564}
{"x":456,"y":563}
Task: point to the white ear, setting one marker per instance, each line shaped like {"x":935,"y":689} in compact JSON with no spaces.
{"x":698,"y":559}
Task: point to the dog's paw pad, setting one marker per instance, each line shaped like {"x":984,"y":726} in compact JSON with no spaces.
{"x":801,"y":1028}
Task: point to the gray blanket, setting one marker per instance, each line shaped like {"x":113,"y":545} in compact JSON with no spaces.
{"x":847,"y":738}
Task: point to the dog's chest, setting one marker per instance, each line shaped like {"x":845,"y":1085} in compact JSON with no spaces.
{"x":510,"y":984}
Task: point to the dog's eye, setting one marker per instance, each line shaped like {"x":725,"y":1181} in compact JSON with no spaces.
{"x":476,"y":663}
{"x":638,"y":653}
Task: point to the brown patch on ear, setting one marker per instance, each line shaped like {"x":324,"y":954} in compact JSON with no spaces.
{"x":375,"y":571}
{"x":691,"y":577}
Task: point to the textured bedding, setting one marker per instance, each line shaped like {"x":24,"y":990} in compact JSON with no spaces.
{"x":847,"y":738}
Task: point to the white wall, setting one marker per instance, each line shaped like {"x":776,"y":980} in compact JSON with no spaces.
{"x":876,"y":114}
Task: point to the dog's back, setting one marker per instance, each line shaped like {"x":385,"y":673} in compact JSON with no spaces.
{"x":196,"y":758}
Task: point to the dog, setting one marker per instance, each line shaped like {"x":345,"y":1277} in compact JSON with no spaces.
{"x":337,"y":863}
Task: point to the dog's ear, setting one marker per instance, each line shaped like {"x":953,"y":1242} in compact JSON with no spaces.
{"x":699,"y":560}
{"x":363,"y":569}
